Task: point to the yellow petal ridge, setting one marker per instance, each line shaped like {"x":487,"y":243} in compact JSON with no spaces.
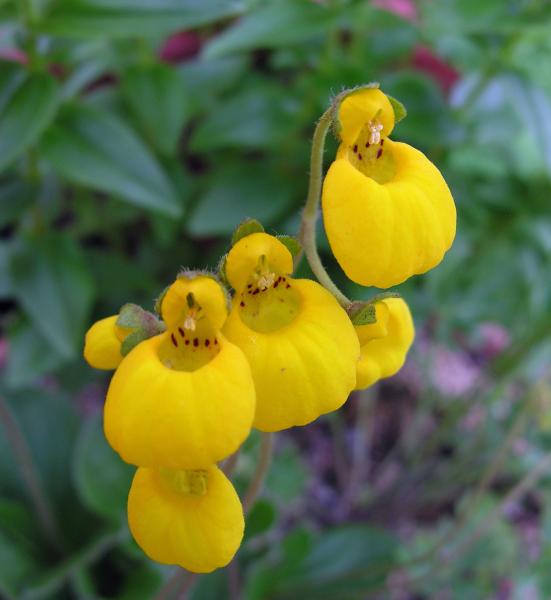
{"x":304,"y":369}
{"x":156,"y":416}
{"x":198,"y":532}
{"x":383,"y":233}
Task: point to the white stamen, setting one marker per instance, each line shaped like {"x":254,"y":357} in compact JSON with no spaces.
{"x":266,"y":280}
{"x":375,"y":129}
{"x":190,"y":323}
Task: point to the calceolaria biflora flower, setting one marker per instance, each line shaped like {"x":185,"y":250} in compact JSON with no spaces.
{"x":387,"y":210}
{"x":183,"y":399}
{"x":193,"y":519}
{"x":189,"y":385}
{"x":385,"y":343}
{"x":300,"y":343}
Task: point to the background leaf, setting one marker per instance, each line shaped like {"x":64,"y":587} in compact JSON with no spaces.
{"x":158,"y":97}
{"x":26,"y":114}
{"x":99,"y":150}
{"x":52,"y":284}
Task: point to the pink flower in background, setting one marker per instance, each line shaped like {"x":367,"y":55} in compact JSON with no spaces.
{"x":180,"y":46}
{"x":403,"y":8}
{"x":453,"y":373}
{"x":445,"y":75}
{"x":494,"y":339}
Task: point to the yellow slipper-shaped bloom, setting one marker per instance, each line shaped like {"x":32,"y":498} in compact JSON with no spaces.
{"x":183,"y":399}
{"x":193,"y":519}
{"x":387,"y":210}
{"x":384,"y":344}
{"x":102,"y":344}
{"x":300,"y":343}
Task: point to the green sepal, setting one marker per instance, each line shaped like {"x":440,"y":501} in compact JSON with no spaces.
{"x":142,"y":323}
{"x":291,"y":243}
{"x":159,"y":300}
{"x":400,"y":111}
{"x":362,"y":313}
{"x":132,"y":340}
{"x":221,"y":270}
{"x":247,"y":227}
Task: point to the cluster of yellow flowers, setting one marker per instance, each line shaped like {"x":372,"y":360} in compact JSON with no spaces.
{"x":191,"y":382}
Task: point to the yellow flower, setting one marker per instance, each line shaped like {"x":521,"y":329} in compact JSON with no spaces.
{"x":193,"y":519}
{"x":183,"y":399}
{"x":102,"y":344}
{"x":384,"y":344}
{"x":300,"y":343}
{"x":387,"y":210}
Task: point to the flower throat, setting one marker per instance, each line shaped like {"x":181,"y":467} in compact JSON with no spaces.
{"x":269,"y":300}
{"x":192,"y":343}
{"x":369,"y":155}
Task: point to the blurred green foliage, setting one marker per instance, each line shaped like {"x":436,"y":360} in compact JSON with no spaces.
{"x":136,"y":134}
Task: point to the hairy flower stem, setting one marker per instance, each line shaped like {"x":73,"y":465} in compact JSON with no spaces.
{"x":30,"y":476}
{"x":311,"y":208}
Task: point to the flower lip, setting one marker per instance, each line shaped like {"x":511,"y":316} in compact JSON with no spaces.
{"x":259,"y":253}
{"x":361,"y":108}
{"x":194,"y":297}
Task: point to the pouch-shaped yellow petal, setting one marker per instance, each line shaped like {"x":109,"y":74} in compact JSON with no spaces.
{"x":362,"y":107}
{"x":206,"y":293}
{"x":102,"y":344}
{"x":384,"y":344}
{"x":243,"y":258}
{"x":303,"y":369}
{"x":199,"y":530}
{"x":383,"y":233}
{"x":158,"y":416}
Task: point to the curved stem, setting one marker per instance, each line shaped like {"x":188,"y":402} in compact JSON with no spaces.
{"x":30,"y":476}
{"x":310,"y":212}
{"x":266,"y":449}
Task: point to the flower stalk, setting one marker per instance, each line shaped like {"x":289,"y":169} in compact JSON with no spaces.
{"x":311,"y":208}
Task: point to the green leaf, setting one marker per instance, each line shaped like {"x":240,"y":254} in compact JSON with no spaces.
{"x":30,"y":356}
{"x":102,"y":479}
{"x":19,"y":553}
{"x":400,"y":111}
{"x":49,"y":423}
{"x":131,"y":18}
{"x":273,"y":25}
{"x":260,"y":518}
{"x":99,"y":150}
{"x":245,"y":228}
{"x":291,"y":243}
{"x":235,"y":192}
{"x":158,"y":97}
{"x":254,"y":118}
{"x":15,"y":197}
{"x":52,"y":284}
{"x":26,"y":115}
